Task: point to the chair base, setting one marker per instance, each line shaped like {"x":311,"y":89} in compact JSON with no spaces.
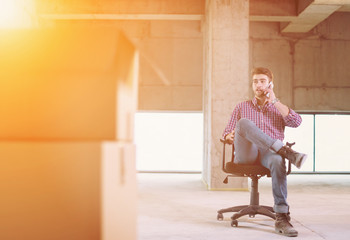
{"x":250,"y":210}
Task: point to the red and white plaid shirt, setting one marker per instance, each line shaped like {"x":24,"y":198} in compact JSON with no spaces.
{"x":266,"y":117}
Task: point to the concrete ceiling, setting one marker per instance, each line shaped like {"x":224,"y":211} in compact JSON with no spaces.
{"x":294,"y":16}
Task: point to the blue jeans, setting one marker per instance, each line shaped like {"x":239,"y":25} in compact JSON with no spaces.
{"x":254,"y":146}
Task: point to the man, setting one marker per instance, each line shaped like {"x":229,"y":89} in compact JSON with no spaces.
{"x":256,"y":128}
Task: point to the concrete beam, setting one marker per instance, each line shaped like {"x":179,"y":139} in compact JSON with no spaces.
{"x":296,"y":16}
{"x":272,"y":8}
{"x":332,"y":2}
{"x":272,"y":18}
{"x":121,"y":6}
{"x":183,"y":17}
{"x":344,"y":8}
{"x":310,"y":17}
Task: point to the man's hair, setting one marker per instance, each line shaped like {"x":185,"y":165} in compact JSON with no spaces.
{"x":262,"y":70}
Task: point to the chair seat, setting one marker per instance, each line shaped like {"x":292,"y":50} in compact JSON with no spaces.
{"x":246,"y":169}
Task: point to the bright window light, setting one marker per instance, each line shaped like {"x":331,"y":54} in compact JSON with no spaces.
{"x":169,"y":142}
{"x":303,"y":136}
{"x":173,"y":142}
{"x":332,"y":143}
{"x":16,"y":14}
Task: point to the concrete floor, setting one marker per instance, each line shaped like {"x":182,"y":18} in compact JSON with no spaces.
{"x":178,"y":206}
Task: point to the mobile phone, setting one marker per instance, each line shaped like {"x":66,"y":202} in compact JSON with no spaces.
{"x":270,"y":86}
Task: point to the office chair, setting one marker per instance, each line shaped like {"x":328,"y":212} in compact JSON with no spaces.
{"x":254,"y":172}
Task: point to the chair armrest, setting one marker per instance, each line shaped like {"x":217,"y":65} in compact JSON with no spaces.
{"x":289,"y":169}
{"x":224,"y":141}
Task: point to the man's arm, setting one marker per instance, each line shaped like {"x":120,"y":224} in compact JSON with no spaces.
{"x":291,"y":118}
{"x":283,"y":109}
{"x":230,"y":127}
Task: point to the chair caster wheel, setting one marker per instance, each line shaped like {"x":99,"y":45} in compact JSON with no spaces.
{"x":234,"y":223}
{"x":220,"y":217}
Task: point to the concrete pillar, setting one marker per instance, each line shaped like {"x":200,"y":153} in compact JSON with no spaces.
{"x":226,"y":80}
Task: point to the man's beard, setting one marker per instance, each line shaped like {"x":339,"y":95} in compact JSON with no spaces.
{"x":259,"y":94}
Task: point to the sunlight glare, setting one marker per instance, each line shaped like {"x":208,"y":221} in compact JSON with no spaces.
{"x":15,"y":13}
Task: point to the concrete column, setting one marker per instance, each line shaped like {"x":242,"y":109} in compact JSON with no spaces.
{"x":226,"y":80}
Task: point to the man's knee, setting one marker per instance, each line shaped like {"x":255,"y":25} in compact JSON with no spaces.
{"x":244,"y":123}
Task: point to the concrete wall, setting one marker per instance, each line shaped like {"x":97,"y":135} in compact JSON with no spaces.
{"x":171,"y":60}
{"x":171,"y":51}
{"x":311,"y":70}
{"x":171,"y":65}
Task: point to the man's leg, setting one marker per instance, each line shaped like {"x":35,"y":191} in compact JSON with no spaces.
{"x":249,"y":142}
{"x":246,"y":152}
{"x":248,"y":130}
{"x":276,"y":164}
{"x":277,"y":167}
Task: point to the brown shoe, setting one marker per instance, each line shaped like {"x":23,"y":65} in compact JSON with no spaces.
{"x":296,"y":158}
{"x":283,"y":226}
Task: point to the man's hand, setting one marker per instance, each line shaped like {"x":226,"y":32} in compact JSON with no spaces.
{"x":271,"y":98}
{"x":270,"y":94}
{"x":230,"y":137}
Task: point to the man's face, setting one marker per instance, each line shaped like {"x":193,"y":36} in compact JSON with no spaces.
{"x":260,"y":83}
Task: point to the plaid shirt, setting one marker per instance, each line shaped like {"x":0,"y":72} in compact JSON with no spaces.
{"x":266,"y":117}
